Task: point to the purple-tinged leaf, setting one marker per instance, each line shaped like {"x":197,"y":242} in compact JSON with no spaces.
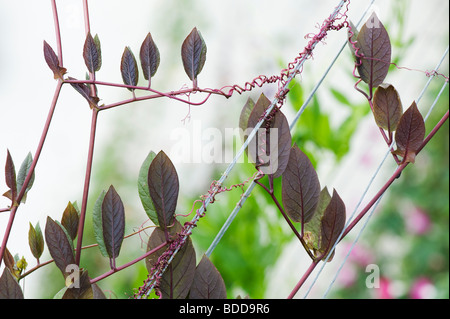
{"x":193,"y":54}
{"x":81,"y":289}
{"x":52,"y":61}
{"x":332,"y":224}
{"x":208,"y":283}
{"x":10,"y":263}
{"x":149,"y":56}
{"x":36,"y":240}
{"x":163,"y":187}
{"x":128,"y":68}
{"x":410,"y":133}
{"x":113,"y":223}
{"x":97,"y":292}
{"x":271,"y":146}
{"x":59,"y":245}
{"x":374,"y":43}
{"x":10,"y":177}
{"x":177,"y":279}
{"x":387,"y":107}
{"x":92,"y":54}
{"x":70,"y":220}
{"x":85,"y":91}
{"x":300,"y":187}
{"x":9,"y":287}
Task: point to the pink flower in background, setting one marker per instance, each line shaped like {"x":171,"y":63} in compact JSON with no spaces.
{"x":417,"y":221}
{"x":422,"y":288}
{"x":348,"y":275}
{"x":384,"y":291}
{"x":360,"y":255}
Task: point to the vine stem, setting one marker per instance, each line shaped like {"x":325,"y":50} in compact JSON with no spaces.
{"x":87,"y":180}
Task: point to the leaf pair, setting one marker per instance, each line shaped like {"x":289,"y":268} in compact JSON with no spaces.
{"x":36,"y":240}
{"x":150,"y":58}
{"x":327,"y":223}
{"x":270,"y":148}
{"x":322,"y":217}
{"x":15,"y":185}
{"x":182,"y":279}
{"x":158,"y":187}
{"x":109,"y":224}
{"x":92,"y":53}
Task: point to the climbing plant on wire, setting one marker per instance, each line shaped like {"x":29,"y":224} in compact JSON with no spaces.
{"x":170,"y":258}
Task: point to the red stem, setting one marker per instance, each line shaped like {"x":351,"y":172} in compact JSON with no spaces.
{"x":57,"y":32}
{"x":87,"y":180}
{"x":116,"y":269}
{"x":303,"y":279}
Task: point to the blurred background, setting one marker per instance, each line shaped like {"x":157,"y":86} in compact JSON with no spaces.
{"x":407,"y":237}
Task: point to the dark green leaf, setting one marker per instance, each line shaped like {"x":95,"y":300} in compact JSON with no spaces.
{"x":387,"y":107}
{"x":23,"y":172}
{"x":99,"y":51}
{"x":373,"y":42}
{"x":9,"y":287}
{"x":36,"y":240}
{"x":113,"y":222}
{"x":59,"y":246}
{"x":52,"y":61}
{"x":313,"y":227}
{"x":193,"y":54}
{"x":163,"y":187}
{"x":144,"y":193}
{"x":300,"y":187}
{"x":128,"y":68}
{"x":97,"y":224}
{"x":91,"y":54}
{"x":149,"y":56}
{"x":70,"y":220}
{"x":207,"y":283}
{"x":410,"y":133}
